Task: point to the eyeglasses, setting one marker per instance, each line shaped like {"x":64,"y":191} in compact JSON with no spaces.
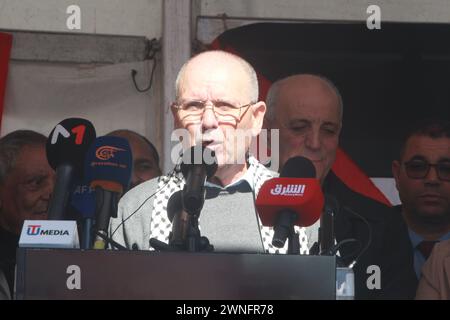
{"x":419,"y":169}
{"x":222,"y":109}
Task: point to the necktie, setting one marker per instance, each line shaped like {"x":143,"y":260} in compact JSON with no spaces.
{"x":425,"y":248}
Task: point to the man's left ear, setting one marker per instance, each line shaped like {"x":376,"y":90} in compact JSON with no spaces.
{"x":396,"y":172}
{"x":259,"y":110}
{"x":176,"y":119}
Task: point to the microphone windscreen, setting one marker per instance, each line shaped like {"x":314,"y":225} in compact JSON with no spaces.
{"x":199,"y":155}
{"x":298,"y":167}
{"x":108,"y":164}
{"x":68,"y":143}
{"x":300,"y":195}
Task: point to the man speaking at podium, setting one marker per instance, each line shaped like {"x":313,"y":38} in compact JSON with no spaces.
{"x":216,"y":96}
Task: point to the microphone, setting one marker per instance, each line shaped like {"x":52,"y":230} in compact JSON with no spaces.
{"x":184,"y":206}
{"x":184,"y":235}
{"x":66,"y":149}
{"x":199,"y":163}
{"x":82,"y":203}
{"x":108,"y":170}
{"x":295,"y":198}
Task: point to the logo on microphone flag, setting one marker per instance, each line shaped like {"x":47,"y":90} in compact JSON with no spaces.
{"x":290,"y":190}
{"x":107,"y":152}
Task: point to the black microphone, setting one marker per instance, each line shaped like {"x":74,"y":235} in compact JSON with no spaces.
{"x":108,"y":170}
{"x":82,"y":204}
{"x":296,"y":167}
{"x":199,"y":163}
{"x":66,"y":149}
{"x":184,"y":206}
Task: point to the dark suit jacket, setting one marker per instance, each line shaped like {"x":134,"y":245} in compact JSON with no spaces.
{"x":389,"y":248}
{"x":8,"y":246}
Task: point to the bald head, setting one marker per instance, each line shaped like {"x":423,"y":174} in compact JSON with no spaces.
{"x":209,"y":61}
{"x":145,"y":156}
{"x":217,"y":103}
{"x":307,"y":111}
{"x":303,"y":86}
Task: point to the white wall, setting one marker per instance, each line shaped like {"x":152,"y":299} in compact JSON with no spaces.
{"x":117,"y":17}
{"x":39,"y":96}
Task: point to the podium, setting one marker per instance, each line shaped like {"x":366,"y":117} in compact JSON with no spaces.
{"x":104,"y":274}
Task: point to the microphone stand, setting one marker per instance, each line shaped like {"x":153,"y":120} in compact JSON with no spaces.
{"x":284,"y":229}
{"x":194,"y":241}
{"x":86,"y":240}
{"x":293,"y":242}
{"x":192,"y":199}
{"x":326,"y":229}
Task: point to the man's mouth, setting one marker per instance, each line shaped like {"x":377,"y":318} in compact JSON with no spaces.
{"x":210,"y":143}
{"x":431,"y":198}
{"x":206,"y":143}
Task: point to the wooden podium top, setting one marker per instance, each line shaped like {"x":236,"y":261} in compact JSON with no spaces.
{"x":98,"y":274}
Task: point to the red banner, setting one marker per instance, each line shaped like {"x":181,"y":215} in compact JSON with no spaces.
{"x":5,"y":50}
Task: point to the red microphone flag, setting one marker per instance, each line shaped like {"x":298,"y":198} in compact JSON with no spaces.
{"x":301,"y":195}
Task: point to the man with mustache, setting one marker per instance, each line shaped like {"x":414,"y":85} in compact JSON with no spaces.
{"x":216,"y":100}
{"x":422,"y":176}
{"x":26,"y":183}
{"x":307,"y":110}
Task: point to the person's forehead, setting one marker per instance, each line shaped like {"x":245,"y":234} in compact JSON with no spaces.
{"x":31,"y":160}
{"x":432,"y":149}
{"x":310,"y":110}
{"x":32,"y":153}
{"x":214,"y":81}
{"x":139,"y":148}
{"x":307,"y":100}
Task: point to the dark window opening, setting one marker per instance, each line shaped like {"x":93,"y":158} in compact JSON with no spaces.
{"x":388,"y":78}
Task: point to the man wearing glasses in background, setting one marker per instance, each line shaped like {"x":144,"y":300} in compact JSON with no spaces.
{"x":422,"y":176}
{"x":216,"y":99}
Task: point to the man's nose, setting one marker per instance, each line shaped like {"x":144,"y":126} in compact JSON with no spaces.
{"x":47,"y":190}
{"x":209,"y":119}
{"x":313,"y":140}
{"x":432,"y":176}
